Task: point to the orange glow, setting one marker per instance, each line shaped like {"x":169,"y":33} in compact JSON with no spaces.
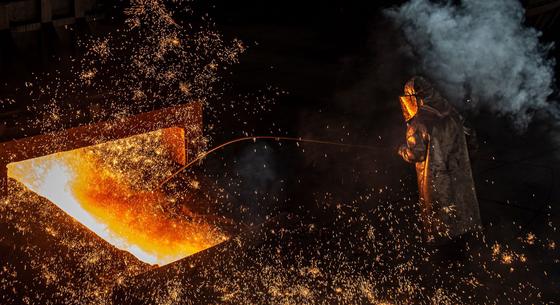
{"x":409,"y":106}
{"x":106,"y":188}
{"x":409,"y":88}
{"x":409,"y":101}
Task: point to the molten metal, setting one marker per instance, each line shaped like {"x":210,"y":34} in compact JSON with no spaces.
{"x":105,"y":188}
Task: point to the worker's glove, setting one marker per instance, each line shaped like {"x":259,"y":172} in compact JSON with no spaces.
{"x":403,"y":151}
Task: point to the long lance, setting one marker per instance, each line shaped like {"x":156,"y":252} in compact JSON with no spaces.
{"x":254,"y":138}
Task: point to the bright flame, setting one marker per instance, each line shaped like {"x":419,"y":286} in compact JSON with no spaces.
{"x":96,"y":187}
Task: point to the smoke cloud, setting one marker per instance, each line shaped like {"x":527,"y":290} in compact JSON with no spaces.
{"x":480,"y":48}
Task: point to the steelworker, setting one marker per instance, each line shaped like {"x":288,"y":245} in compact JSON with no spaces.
{"x":436,"y":144}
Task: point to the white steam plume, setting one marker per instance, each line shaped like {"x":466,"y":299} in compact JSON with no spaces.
{"x":484,"y":46}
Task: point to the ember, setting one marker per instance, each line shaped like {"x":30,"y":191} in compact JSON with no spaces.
{"x":106,"y":188}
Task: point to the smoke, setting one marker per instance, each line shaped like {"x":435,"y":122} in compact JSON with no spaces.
{"x":260,"y":185}
{"x":481,"y":48}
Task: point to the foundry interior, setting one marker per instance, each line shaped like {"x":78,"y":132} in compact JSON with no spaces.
{"x":246,"y":152}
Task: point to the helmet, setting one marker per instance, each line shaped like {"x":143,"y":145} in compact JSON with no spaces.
{"x":415,"y":91}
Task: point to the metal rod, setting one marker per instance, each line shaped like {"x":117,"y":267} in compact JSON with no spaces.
{"x":254,"y":138}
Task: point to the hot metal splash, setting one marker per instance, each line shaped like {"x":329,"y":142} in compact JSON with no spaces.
{"x":91,"y":226}
{"x":106,"y":188}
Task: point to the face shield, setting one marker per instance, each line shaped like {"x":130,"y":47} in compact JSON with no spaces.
{"x":409,"y":101}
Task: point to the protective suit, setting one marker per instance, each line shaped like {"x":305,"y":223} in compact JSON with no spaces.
{"x":436,"y":143}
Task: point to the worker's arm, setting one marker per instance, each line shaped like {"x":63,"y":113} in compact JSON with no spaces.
{"x":416,"y":144}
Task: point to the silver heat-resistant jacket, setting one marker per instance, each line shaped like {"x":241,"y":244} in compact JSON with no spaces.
{"x":436,"y":143}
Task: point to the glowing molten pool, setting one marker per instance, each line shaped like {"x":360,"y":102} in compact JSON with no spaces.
{"x":106,"y":188}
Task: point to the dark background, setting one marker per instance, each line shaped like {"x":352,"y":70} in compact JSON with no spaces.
{"x":340,"y":69}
